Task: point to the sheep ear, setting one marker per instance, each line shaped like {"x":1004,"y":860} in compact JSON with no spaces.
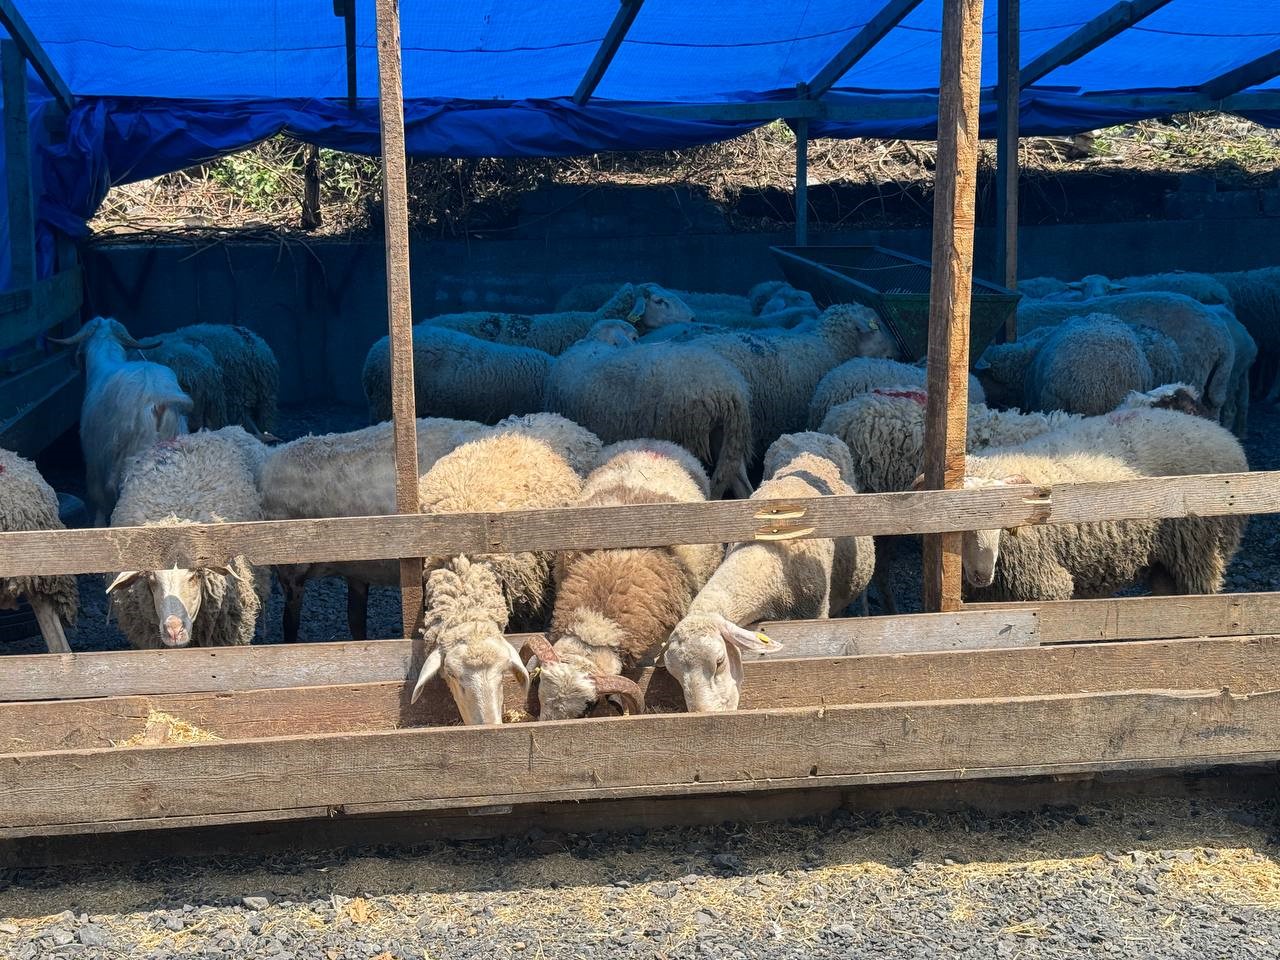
{"x":740,"y":637}
{"x":517,"y":667}
{"x":435,"y":659}
{"x":1017,"y":480}
{"x":735,"y":664}
{"x":123,"y":580}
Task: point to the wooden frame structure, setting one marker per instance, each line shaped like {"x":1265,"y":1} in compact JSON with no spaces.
{"x":326,"y":730}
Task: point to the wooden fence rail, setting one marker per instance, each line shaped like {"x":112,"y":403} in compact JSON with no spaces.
{"x":1240,"y":664}
{"x":978,"y":626}
{"x":49,"y":552}
{"x":652,"y":755}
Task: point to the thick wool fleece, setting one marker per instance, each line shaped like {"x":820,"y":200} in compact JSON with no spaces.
{"x":507,"y":471}
{"x":28,"y":503}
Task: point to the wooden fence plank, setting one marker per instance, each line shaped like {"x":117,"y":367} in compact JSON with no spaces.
{"x":950,"y":284}
{"x":1244,"y":665}
{"x":153,"y":672}
{"x":583,"y":528}
{"x":656,"y":755}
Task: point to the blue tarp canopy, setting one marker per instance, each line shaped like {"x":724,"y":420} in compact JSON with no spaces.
{"x":160,"y":85}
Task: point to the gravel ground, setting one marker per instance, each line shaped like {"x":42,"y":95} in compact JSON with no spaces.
{"x":1256,"y":567}
{"x":1138,"y":878}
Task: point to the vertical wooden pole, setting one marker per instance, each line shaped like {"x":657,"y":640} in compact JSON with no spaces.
{"x":17,"y":166}
{"x":955,"y":188}
{"x":801,"y":128}
{"x":1007,"y":107}
{"x":395,"y":202}
{"x":349,"y":18}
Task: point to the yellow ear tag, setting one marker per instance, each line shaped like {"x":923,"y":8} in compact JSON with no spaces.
{"x":762,"y":638}
{"x":873,"y":324}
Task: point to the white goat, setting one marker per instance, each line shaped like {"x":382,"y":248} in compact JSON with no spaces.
{"x":129,"y":405}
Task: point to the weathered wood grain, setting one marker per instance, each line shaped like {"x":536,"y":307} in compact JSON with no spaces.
{"x":395,"y":210}
{"x":582,"y":528}
{"x":669,"y":754}
{"x":951,"y":284}
{"x":1244,"y":665}
{"x":154,"y":672}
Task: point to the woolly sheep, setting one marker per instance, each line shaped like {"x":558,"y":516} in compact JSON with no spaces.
{"x":1198,"y":286}
{"x":345,"y":475}
{"x":250,"y":371}
{"x":763,"y":292}
{"x":200,"y":378}
{"x":201,"y":478}
{"x":471,"y":600}
{"x":769,"y":580}
{"x":457,"y":375}
{"x":783,"y":368}
{"x":28,"y":503}
{"x":1235,"y":411}
{"x":551,"y":333}
{"x":1037,"y":288}
{"x":1061,"y":561}
{"x":1208,"y":352}
{"x":1255,"y":299}
{"x":615,"y":608}
{"x":128,"y":406}
{"x":862,"y":374}
{"x":668,"y":391}
{"x":1087,"y":365}
{"x":576,"y":444}
{"x":652,"y":306}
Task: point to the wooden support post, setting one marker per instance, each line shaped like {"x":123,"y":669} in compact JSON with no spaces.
{"x":349,"y":18}
{"x":17,"y":165}
{"x":395,"y":202}
{"x":954,"y":192}
{"x":801,"y":129}
{"x":1007,"y":106}
{"x":26,"y":41}
{"x":608,"y":49}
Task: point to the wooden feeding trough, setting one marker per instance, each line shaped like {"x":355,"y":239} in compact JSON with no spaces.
{"x":896,"y":286}
{"x":105,"y":742}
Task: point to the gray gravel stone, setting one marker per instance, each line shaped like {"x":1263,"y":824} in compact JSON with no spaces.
{"x":256,"y":903}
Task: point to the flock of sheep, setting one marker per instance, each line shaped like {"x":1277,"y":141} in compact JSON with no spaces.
{"x":633,"y":394}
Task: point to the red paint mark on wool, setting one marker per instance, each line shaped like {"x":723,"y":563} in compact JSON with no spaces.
{"x":919,"y":396}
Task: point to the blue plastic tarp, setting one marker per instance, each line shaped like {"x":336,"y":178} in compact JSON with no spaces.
{"x":163,"y":85}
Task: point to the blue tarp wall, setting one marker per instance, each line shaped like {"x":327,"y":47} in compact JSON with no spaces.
{"x":162,"y":85}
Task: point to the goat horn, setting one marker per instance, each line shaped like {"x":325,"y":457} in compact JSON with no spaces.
{"x":542,"y":649}
{"x":75,"y":338}
{"x":628,"y":690}
{"x":150,"y":343}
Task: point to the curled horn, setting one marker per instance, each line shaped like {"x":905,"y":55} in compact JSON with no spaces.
{"x":628,"y":690}
{"x":75,"y":338}
{"x":542,"y":649}
{"x":150,"y":343}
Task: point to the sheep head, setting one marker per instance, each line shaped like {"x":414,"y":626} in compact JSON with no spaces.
{"x":178,"y":595}
{"x":466,"y":614}
{"x":569,"y":680}
{"x":658,"y":307}
{"x":980,"y":549}
{"x":616,"y":333}
{"x":705,"y":657}
{"x":856,"y":331}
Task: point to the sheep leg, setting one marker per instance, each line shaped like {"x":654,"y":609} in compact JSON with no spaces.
{"x":358,"y":609}
{"x":50,"y":626}
{"x":294,"y":590}
{"x":741,"y":484}
{"x":865,"y":605}
{"x":881,"y":579}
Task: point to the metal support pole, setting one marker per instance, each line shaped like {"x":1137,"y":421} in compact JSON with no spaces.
{"x":1007,"y":107}
{"x":951,"y":282}
{"x":395,"y":198}
{"x":801,"y":129}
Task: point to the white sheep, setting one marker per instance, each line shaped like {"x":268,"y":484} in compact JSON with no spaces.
{"x":470,"y":601}
{"x":1087,"y":365}
{"x":457,"y":375}
{"x":201,"y":478}
{"x":128,"y":406}
{"x":1255,"y":300}
{"x":770,"y":580}
{"x":551,"y":333}
{"x":1062,"y":561}
{"x":615,"y":608}
{"x":28,"y":503}
{"x":668,"y":391}
{"x":1207,"y":347}
{"x":1037,"y":288}
{"x":863,"y":374}
{"x":782,"y":368}
{"x":250,"y":372}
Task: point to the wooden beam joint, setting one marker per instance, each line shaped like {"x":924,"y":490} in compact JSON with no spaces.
{"x":608,"y":49}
